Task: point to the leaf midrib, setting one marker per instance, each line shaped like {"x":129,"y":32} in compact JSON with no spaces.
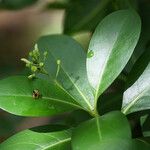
{"x":42,"y":147}
{"x":134,"y":100}
{"x":58,"y":84}
{"x":45,"y":98}
{"x":79,"y":91}
{"x":98,"y":128}
{"x":57,"y":143}
{"x":106,"y":62}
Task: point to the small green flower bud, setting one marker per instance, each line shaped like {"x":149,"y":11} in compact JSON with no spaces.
{"x":41,"y":64}
{"x":34,"y":68}
{"x":35,"y":47}
{"x":25,"y":60}
{"x":36,"y":65}
{"x":35,"y":52}
{"x":36,"y":55}
{"x":34,"y":60}
{"x":31,"y":76}
{"x":58,"y":61}
{"x":28,"y":65}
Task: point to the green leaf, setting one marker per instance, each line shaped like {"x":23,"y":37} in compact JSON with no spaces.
{"x":84,"y":15}
{"x":110,"y":48}
{"x":111,"y":130}
{"x":16,"y":96}
{"x":50,"y":138}
{"x":70,"y":74}
{"x":137,"y":97}
{"x":117,"y":144}
{"x":74,"y":118}
{"x":16,"y":4}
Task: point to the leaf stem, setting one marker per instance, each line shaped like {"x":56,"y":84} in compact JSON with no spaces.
{"x":94,"y":113}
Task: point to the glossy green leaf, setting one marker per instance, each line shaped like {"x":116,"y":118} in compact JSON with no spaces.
{"x":116,"y":144}
{"x":51,"y":138}
{"x":70,"y":74}
{"x":84,"y":15}
{"x":110,"y":48}
{"x":137,"y":97}
{"x":16,"y":96}
{"x":109,"y":131}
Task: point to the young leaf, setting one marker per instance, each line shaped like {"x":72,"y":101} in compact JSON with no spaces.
{"x":103,"y":132}
{"x":66,"y":65}
{"x":137,"y":97}
{"x":21,"y":96}
{"x":111,"y":47}
{"x":49,"y":138}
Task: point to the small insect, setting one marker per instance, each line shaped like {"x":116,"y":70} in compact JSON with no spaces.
{"x":36,"y":94}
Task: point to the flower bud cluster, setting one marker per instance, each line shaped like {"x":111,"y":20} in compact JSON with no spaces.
{"x":36,"y":62}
